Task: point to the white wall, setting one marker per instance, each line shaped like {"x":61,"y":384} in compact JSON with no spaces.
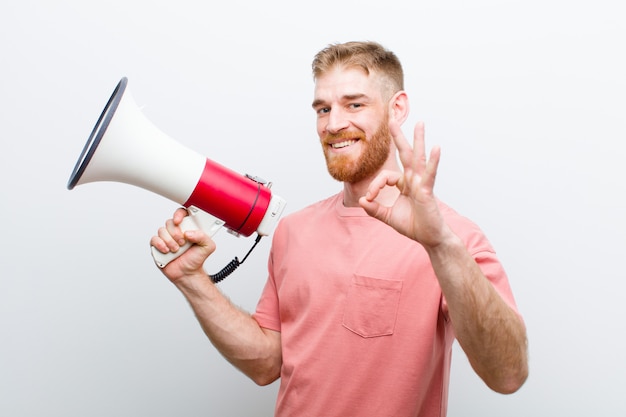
{"x":527,"y":99}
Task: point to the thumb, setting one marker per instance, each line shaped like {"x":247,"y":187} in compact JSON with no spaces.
{"x":373,"y":208}
{"x":201,"y":239}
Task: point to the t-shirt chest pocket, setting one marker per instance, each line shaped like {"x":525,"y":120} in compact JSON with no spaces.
{"x":372,"y":306}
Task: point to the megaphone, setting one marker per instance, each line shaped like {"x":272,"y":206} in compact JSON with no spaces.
{"x":124,"y":146}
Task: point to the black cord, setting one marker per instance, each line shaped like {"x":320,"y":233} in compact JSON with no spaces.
{"x":232,"y":265}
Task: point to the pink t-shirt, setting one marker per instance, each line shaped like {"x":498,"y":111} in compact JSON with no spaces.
{"x":363,"y":322}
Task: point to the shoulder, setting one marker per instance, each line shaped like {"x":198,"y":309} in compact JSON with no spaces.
{"x":305,"y":220}
{"x":311,"y":212}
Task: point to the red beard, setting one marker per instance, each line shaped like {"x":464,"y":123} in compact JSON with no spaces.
{"x":375,"y":151}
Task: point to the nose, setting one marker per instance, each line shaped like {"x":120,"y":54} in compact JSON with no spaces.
{"x":336,"y":121}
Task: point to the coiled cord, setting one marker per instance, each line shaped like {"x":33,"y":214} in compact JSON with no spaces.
{"x":232,"y":265}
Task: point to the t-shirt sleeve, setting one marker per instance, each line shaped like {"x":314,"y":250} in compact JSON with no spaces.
{"x":485,"y":256}
{"x":495,"y":273}
{"x":267,"y":313}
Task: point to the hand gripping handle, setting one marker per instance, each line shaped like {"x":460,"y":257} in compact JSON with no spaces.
{"x":196,"y":220}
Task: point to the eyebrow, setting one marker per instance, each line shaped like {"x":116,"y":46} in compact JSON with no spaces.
{"x":346,"y":97}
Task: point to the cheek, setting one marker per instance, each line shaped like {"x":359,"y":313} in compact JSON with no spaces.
{"x":320,"y":130}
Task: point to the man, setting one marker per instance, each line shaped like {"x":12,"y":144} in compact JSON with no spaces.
{"x":367,"y":289}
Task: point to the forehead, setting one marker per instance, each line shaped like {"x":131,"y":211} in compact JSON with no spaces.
{"x":341,"y":82}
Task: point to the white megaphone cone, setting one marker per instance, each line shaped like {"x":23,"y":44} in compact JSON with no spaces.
{"x":126,"y":147}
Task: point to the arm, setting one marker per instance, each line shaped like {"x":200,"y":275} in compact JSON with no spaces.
{"x":489,"y":331}
{"x":236,"y":335}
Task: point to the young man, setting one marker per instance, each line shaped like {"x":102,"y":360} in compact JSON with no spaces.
{"x":367,"y":289}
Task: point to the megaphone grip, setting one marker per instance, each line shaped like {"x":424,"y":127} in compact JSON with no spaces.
{"x":197,"y":220}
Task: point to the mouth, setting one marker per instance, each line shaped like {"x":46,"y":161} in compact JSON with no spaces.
{"x":343,"y":144}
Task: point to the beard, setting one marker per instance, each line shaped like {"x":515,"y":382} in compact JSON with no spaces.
{"x":375,"y":152}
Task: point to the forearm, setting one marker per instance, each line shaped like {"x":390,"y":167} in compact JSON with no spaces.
{"x":235,"y":333}
{"x":490,"y":332}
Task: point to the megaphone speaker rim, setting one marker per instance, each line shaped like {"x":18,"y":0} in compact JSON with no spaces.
{"x":97,"y":133}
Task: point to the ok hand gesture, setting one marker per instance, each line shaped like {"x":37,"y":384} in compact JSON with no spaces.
{"x":415,"y":213}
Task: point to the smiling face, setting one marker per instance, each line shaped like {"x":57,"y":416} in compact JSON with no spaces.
{"x":352,"y":123}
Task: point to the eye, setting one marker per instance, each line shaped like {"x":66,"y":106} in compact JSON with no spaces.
{"x":323,"y":110}
{"x":355,"y":105}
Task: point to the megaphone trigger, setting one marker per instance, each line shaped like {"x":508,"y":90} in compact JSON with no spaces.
{"x":197,"y":220}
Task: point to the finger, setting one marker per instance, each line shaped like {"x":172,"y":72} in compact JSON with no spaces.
{"x":174,"y":232}
{"x":164,"y":242}
{"x":430,"y":172}
{"x":419,"y":148}
{"x":405,"y":151}
{"x":179,"y":215}
{"x":199,"y":238}
{"x":383,"y":179}
{"x":372,"y":208}
{"x":159,"y":244}
{"x":369,"y":203}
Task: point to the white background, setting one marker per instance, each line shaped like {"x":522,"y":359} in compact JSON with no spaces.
{"x":526,"y":98}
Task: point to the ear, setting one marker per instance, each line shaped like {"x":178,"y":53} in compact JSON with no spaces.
{"x":399,"y":107}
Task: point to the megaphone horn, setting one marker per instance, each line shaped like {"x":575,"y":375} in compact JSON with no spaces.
{"x":124,"y":146}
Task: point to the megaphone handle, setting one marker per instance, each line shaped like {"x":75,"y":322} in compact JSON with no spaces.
{"x":197,"y":220}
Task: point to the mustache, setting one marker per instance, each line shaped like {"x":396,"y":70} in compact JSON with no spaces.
{"x":333,"y":137}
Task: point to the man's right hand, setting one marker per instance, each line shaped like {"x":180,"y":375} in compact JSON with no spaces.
{"x":170,"y":238}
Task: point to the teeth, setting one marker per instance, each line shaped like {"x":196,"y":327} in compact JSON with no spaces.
{"x":343,"y":144}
